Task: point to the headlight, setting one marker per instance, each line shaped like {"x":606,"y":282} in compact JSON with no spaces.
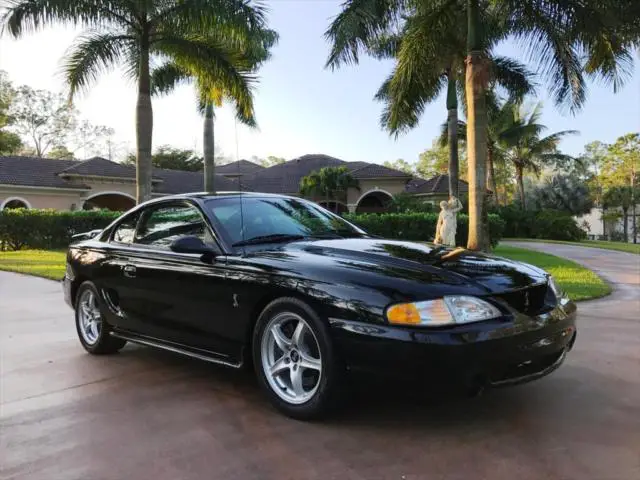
{"x":450,"y":310}
{"x":555,"y":288}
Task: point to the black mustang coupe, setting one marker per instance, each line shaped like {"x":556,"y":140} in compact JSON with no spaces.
{"x":305,"y":297}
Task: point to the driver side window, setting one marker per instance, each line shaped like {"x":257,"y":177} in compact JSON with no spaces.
{"x":161,"y":226}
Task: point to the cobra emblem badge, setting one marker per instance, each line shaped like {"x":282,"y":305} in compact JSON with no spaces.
{"x":526,"y":300}
{"x":235,"y":300}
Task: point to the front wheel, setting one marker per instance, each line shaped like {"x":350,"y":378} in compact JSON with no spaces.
{"x":295,"y":360}
{"x":93,"y":331}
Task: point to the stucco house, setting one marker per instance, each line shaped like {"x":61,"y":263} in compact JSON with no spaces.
{"x":30,"y":182}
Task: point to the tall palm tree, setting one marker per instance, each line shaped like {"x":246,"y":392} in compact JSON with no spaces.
{"x":430,"y":57}
{"x":567,"y":38}
{"x":211,"y":93}
{"x":520,"y":137}
{"x":133,"y":33}
{"x":328,"y":183}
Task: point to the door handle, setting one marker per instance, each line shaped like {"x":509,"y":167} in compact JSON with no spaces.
{"x":129,"y":271}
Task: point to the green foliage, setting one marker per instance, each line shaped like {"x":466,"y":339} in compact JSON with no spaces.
{"x":418,"y":226}
{"x":435,"y":161}
{"x":563,"y":193}
{"x":622,"y":162}
{"x":405,"y":202}
{"x":61,"y":152}
{"x":402,"y":165}
{"x":10,"y":142}
{"x":543,"y":224}
{"x":328,"y":183}
{"x":48,"y":229}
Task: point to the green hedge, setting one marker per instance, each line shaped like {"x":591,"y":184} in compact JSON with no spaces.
{"x":48,"y":229}
{"x":419,"y":226}
{"x":542,"y":224}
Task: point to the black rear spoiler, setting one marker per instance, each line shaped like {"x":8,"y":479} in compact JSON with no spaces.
{"x":78,"y":237}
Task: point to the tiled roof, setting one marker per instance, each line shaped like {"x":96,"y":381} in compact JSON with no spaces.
{"x":281,"y":178}
{"x":101,"y":167}
{"x":285,"y":177}
{"x":434,"y":186}
{"x":239,"y":167}
{"x":178,"y":181}
{"x":35,"y":172}
{"x":373,"y":170}
{"x":45,"y":172}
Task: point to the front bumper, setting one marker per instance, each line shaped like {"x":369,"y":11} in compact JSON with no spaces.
{"x":66,"y":289}
{"x":506,"y":351}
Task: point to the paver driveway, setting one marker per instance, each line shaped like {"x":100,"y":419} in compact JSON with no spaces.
{"x":144,"y":414}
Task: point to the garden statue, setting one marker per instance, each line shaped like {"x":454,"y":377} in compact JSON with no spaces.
{"x":446,"y":227}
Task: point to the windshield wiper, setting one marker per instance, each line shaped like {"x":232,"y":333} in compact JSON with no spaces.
{"x":276,"y":237}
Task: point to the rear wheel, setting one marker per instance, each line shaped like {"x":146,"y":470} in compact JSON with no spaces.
{"x":295,"y":360}
{"x":93,"y":331}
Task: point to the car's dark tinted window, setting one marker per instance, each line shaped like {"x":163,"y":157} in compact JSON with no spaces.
{"x":125,"y":231}
{"x":275,"y":216}
{"x":161,"y":226}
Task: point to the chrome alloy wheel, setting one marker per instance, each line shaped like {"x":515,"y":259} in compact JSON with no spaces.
{"x":291,"y":358}
{"x":89,"y":317}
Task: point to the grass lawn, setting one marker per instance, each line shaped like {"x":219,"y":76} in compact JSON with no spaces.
{"x":43,"y":263}
{"x":618,"y":246}
{"x":579,"y":282}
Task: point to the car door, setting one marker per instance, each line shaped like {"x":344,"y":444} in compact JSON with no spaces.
{"x":118,"y":287}
{"x":179,"y":297}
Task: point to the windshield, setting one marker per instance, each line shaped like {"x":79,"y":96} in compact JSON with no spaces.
{"x":274,"y":218}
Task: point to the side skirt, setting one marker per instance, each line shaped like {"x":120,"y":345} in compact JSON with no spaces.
{"x":204,"y":355}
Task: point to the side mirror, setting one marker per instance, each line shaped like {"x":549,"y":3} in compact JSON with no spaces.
{"x":192,"y":244}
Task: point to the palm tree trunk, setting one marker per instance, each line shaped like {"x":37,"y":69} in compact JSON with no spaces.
{"x":520,"y":179}
{"x":144,"y":126}
{"x":491,"y":175}
{"x":625,"y":219}
{"x":452,"y":129}
{"x":475,"y":85}
{"x":208,"y":147}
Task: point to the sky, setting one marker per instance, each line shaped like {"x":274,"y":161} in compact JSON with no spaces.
{"x":301,"y":107}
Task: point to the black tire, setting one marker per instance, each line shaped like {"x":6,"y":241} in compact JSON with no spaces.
{"x":326,"y":397}
{"x":105,"y":343}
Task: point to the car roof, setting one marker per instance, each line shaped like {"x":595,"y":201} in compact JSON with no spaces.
{"x":209,"y":195}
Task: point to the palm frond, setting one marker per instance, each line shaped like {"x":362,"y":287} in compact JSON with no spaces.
{"x":218,"y":67}
{"x":443,"y":139}
{"x":167,"y":77}
{"x":235,"y":19}
{"x":513,"y":76}
{"x":90,"y":55}
{"x":31,"y":15}
{"x":358,"y":24}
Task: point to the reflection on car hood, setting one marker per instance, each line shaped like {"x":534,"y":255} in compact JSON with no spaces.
{"x":494,"y":274}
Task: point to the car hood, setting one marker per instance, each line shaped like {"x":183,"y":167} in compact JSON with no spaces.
{"x":491,"y":273}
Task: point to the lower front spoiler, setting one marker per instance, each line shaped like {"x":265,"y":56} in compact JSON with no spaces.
{"x":530,"y":377}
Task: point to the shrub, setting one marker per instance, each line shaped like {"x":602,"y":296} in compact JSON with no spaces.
{"x":418,"y":226}
{"x":542,"y":224}
{"x":48,"y":229}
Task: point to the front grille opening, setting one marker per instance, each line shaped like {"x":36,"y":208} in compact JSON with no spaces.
{"x":532,"y":300}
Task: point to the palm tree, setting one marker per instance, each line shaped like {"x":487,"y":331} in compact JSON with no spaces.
{"x":519,"y":137}
{"x":328,"y":183}
{"x":430,"y":55}
{"x":622,"y":196}
{"x":211,"y":92}
{"x":124,"y":32}
{"x":567,"y":38}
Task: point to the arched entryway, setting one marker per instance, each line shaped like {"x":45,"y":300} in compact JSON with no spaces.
{"x":335,"y":207}
{"x":14,"y":202}
{"x":375,"y":201}
{"x":116,"y":201}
